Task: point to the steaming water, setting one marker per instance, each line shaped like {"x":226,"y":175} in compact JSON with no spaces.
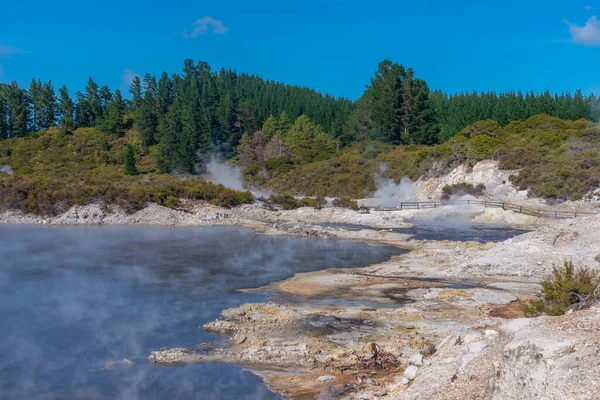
{"x":456,"y":233}
{"x":73,"y":299}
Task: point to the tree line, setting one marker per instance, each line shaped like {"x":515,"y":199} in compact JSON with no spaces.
{"x":198,"y":110}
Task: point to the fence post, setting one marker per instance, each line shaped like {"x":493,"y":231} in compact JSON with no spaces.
{"x":503,"y":206}
{"x":401,"y":205}
{"x":575,"y":214}
{"x":520,"y":209}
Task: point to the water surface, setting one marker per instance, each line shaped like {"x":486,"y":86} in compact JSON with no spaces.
{"x":458,"y":232}
{"x":75,"y":299}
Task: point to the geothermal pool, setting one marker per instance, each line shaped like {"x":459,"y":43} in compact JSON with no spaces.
{"x":75,"y":302}
{"x":456,"y":231}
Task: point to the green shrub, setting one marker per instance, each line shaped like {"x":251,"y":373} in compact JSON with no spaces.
{"x":462,"y":188}
{"x":566,"y":287}
{"x":346,"y":202}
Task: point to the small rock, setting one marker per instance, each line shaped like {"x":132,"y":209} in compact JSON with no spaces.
{"x":402,"y":381}
{"x":490,"y":332}
{"x":325,"y":378}
{"x":238,"y":339}
{"x":416,"y":359}
{"x":427,"y":350}
{"x":411,"y":372}
{"x":323,"y":358}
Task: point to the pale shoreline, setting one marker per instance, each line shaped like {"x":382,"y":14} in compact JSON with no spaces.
{"x":419,"y":295}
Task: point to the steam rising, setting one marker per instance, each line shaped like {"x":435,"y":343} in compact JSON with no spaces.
{"x":224,"y":173}
{"x":76,"y":301}
{"x":391,"y":194}
{"x":6,"y":169}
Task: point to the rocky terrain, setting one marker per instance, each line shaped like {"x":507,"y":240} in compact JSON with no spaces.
{"x":445,"y":320}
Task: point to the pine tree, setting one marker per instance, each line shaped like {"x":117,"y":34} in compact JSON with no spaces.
{"x":83,"y":112}
{"x":136,"y":92}
{"x":269,"y":128}
{"x":3,"y":117}
{"x":16,"y":102}
{"x":129,"y":158}
{"x":112,"y":120}
{"x":384,"y":100}
{"x":48,"y":109}
{"x":35,"y":102}
{"x":283,"y":124}
{"x":146,"y":120}
{"x":105,"y":96}
{"x":164,"y":95}
{"x":66,"y":108}
{"x":94,"y":103}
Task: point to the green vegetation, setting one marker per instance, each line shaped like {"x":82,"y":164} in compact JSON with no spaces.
{"x":568,"y":286}
{"x":461,"y":189}
{"x":130,"y":168}
{"x":346,"y":202}
{"x":288,"y":202}
{"x":290,"y":139}
{"x":556,"y":159}
{"x":58,"y":168}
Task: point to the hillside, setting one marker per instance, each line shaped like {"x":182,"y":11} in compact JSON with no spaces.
{"x":48,"y":172}
{"x":55,"y":169}
{"x":556,"y":159}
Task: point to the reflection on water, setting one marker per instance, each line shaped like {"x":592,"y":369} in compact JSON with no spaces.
{"x":73,"y":300}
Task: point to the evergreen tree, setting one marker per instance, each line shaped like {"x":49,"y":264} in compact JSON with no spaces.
{"x":35,"y":102}
{"x":15,"y":100}
{"x":112,"y":121}
{"x":83,"y":111}
{"x":164,"y":95}
{"x":48,"y":109}
{"x":129,"y":158}
{"x":93,"y":102}
{"x":283,"y":124}
{"x":66,"y":108}
{"x":269,"y":128}
{"x":105,"y":96}
{"x":384,"y":101}
{"x":146,"y":120}
{"x":136,"y":92}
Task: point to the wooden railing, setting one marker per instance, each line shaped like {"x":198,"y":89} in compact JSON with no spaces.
{"x":536,"y":212}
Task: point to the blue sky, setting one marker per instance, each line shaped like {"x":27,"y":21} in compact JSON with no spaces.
{"x":332,"y":45}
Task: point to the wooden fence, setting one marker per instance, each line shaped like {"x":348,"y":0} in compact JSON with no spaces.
{"x":536,"y":212}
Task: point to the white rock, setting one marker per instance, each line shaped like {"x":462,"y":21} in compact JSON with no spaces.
{"x":411,"y":372}
{"x":490,"y":332}
{"x":325,"y":378}
{"x":403,"y":381}
{"x":416,"y":359}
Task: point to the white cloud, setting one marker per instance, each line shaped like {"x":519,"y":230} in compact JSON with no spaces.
{"x":127,"y":77}
{"x":589,"y":8}
{"x":202,"y":25}
{"x":9,"y":51}
{"x":587,"y":35}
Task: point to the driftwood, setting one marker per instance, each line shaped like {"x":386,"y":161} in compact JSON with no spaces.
{"x":583,"y":303}
{"x":380,"y":360}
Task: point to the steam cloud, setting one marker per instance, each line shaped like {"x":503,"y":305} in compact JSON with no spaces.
{"x":120,"y":292}
{"x":6,"y":169}
{"x":391,"y":194}
{"x":224,"y":173}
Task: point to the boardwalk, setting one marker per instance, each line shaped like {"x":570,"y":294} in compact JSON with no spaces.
{"x":536,"y":212}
